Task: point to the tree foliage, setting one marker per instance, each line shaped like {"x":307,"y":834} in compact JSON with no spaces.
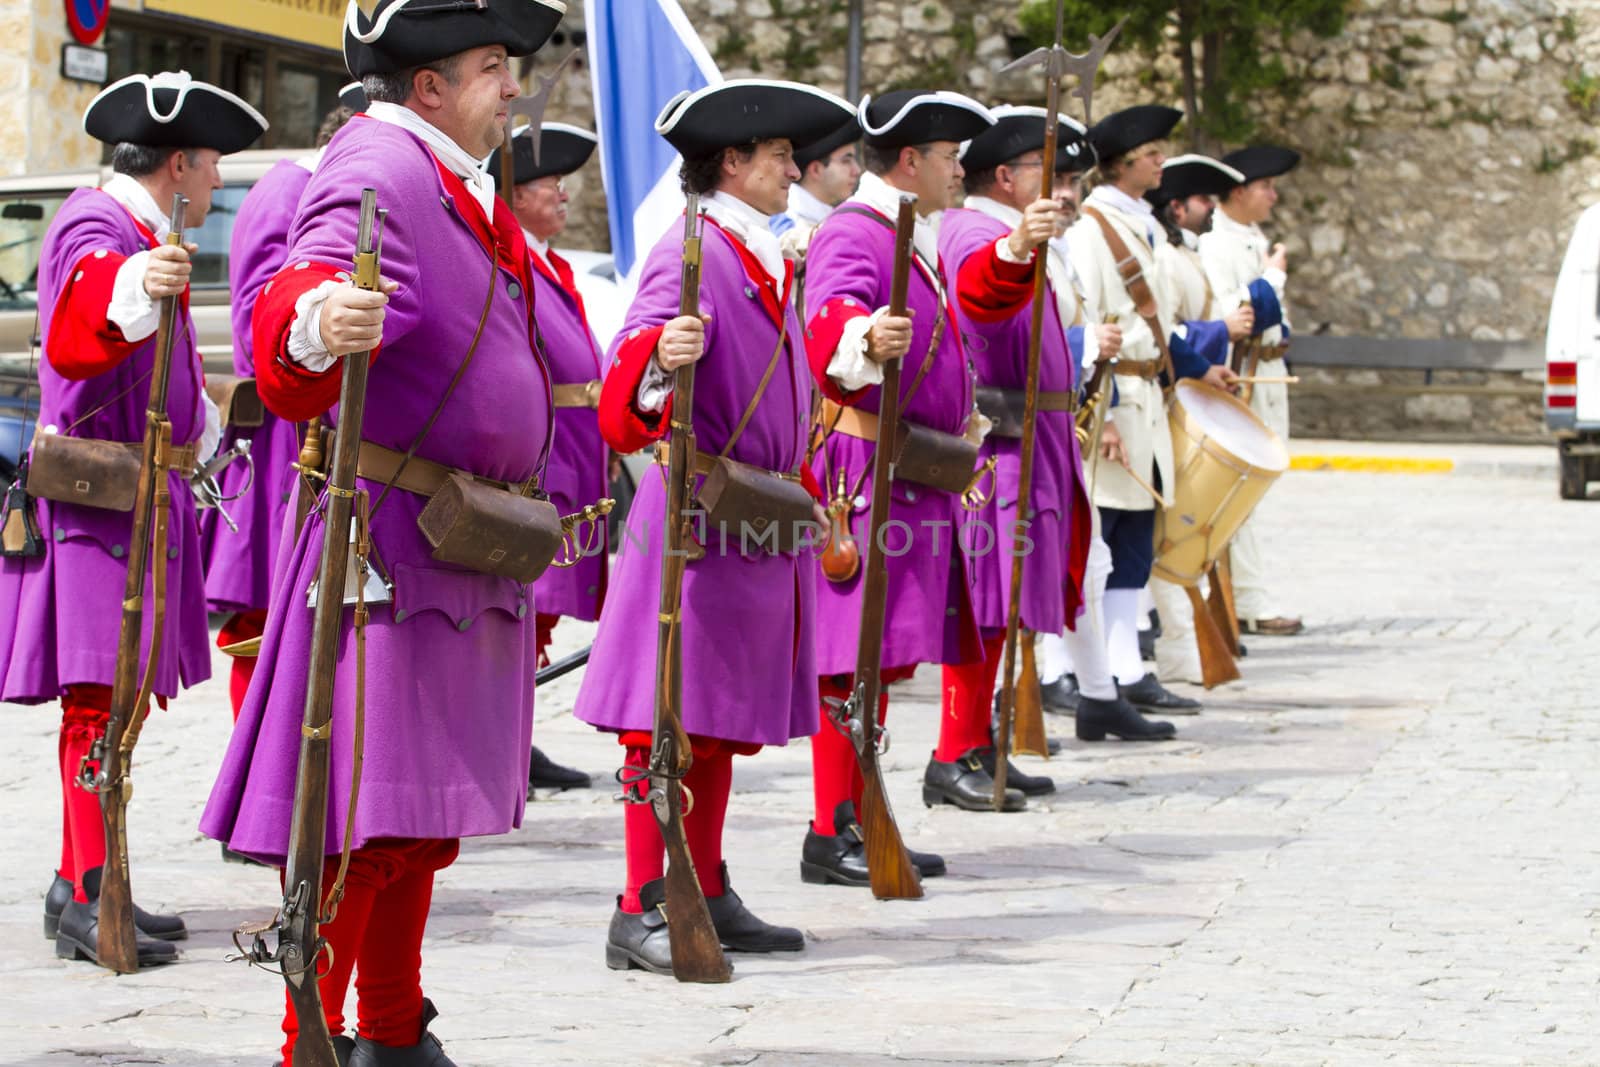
{"x":1218,"y":45}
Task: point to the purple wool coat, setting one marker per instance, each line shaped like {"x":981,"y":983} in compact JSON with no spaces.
{"x":450,"y":663}
{"x":239,"y":565}
{"x":60,"y":613}
{"x":929,"y":616}
{"x":999,"y":351}
{"x":576,"y":475}
{"x":749,"y":671}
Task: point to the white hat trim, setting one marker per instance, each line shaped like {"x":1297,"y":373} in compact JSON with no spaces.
{"x":184,"y":83}
{"x":679,"y":105}
{"x":942,"y":96}
{"x":382,"y":22}
{"x":1005,"y":111}
{"x":1217,"y":164}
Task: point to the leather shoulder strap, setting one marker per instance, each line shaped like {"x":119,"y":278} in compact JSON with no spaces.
{"x":1132,"y":274}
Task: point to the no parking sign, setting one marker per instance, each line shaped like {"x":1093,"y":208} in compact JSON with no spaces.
{"x":87,"y":19}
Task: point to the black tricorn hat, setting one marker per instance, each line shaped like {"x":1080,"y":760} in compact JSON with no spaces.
{"x":1262,"y":161}
{"x":747,"y":110}
{"x":807,"y":154}
{"x":401,"y":34}
{"x":1016,"y":131}
{"x":562,"y":150}
{"x":1120,"y":133}
{"x":354,"y":97}
{"x":916,"y":116}
{"x":172,"y":110}
{"x":1074,"y":153}
{"x":1193,"y":175}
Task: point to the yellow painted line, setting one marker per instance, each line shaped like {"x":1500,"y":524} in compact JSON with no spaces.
{"x":1372,"y":464}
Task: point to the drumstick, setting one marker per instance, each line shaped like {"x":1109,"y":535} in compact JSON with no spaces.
{"x":1142,"y":484}
{"x":1288,"y":379}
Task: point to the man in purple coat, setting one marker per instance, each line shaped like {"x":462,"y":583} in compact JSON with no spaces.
{"x":450,"y":654}
{"x":240,"y":562}
{"x":577,"y":472}
{"x":991,"y":244}
{"x":749,"y":672}
{"x":913,"y":143}
{"x":103,"y":272}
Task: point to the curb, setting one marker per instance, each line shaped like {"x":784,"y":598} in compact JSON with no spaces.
{"x":1368,"y":464}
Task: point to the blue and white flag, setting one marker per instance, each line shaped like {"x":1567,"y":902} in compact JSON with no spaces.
{"x":642,"y":53}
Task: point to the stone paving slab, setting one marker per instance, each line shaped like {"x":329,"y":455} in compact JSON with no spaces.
{"x":1378,"y":847}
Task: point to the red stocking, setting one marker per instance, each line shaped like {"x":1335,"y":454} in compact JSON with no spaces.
{"x":241,"y":627}
{"x":835,"y":775}
{"x":709,"y":780}
{"x":84,"y":712}
{"x":646,"y":855}
{"x":968,"y":692}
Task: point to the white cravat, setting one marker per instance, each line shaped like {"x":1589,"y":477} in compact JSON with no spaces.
{"x":884,"y":198}
{"x":1136,"y":207}
{"x":805,"y":207}
{"x":461,"y":163}
{"x":752,"y":228}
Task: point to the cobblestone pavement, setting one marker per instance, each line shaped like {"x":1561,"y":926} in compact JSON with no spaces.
{"x":1379,"y":847}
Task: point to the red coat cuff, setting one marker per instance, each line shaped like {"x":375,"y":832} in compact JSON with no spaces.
{"x":808,"y":478}
{"x":82,"y":342}
{"x":626,"y":428}
{"x":822,"y":340}
{"x":991,"y":289}
{"x":287,"y":389}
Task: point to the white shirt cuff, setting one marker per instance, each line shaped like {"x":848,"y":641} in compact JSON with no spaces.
{"x":131,"y":310}
{"x":654,"y":388}
{"x":1272,"y":335}
{"x":1091,"y":346}
{"x":1277,"y":279}
{"x":850,"y":368}
{"x":1002,"y":248}
{"x":305,"y":333}
{"x":211,"y":436}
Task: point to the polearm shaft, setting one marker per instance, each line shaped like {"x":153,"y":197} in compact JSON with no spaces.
{"x":302,"y":899}
{"x":118,"y":947}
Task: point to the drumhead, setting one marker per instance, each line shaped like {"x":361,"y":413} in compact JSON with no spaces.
{"x":1229,"y":421}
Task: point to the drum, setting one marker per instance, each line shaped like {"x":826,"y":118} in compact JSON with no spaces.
{"x":1226,"y":459}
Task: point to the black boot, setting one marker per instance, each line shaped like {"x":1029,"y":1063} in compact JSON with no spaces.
{"x":965,"y":784}
{"x":1030,"y":785}
{"x":1096,"y":718}
{"x":78,"y":937}
{"x":841,"y":859}
{"x":427,"y":1052}
{"x":160,"y":927}
{"x":230,"y":856}
{"x":343,"y":1048}
{"x":740,"y":931}
{"x":1148,"y":694}
{"x":545,"y":773}
{"x":641,"y":940}
{"x":1061,"y":695}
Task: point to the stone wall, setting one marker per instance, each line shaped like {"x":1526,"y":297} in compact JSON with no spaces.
{"x":40,"y":112}
{"x":1448,"y":142}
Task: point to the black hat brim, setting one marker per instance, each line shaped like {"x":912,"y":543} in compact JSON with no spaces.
{"x":1016,"y":132}
{"x":1189,"y":176}
{"x":847,"y":134}
{"x":353,"y":97}
{"x":166,"y":112}
{"x":1263,"y":161}
{"x":562,"y":150}
{"x":912,"y":117}
{"x":746,"y":111}
{"x":1120,"y":133}
{"x":402,"y":34}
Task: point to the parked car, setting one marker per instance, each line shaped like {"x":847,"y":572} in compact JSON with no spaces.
{"x":1572,"y":359}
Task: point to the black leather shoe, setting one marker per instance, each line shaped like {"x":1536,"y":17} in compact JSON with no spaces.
{"x":230,"y":856}
{"x":1096,"y":718}
{"x":427,"y":1052}
{"x":1061,"y":695}
{"x":641,"y":940}
{"x":1030,"y":785}
{"x":740,"y":931}
{"x":545,"y":773}
{"x":1148,"y":694}
{"x":160,"y":927}
{"x":343,"y":1048}
{"x":78,"y":937}
{"x":841,"y":859}
{"x":965,"y":784}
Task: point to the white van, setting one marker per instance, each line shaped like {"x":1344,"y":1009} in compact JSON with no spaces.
{"x":1572,"y":359}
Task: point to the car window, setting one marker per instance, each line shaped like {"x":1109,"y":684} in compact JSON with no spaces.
{"x":211,"y":262}
{"x":24,"y":218}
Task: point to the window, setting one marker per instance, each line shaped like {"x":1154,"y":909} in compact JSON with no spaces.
{"x":211,"y":262}
{"x":24,"y":218}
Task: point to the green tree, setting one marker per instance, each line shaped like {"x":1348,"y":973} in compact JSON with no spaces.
{"x":1217,"y":44}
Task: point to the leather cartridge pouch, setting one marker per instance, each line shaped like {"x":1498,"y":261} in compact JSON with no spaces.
{"x":491,"y":530}
{"x":84,"y":471}
{"x":744,"y":502}
{"x":1004,"y":407}
{"x":939,"y":460}
{"x":237,"y":400}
